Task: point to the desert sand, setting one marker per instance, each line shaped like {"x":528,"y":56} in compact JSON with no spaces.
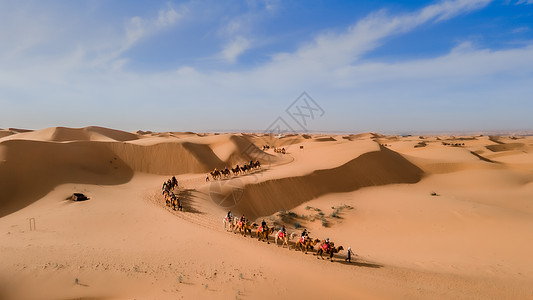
{"x":428,"y":217}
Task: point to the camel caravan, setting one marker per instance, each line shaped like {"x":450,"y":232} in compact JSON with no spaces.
{"x":238,"y":170}
{"x":263,"y":232}
{"x":280,"y":150}
{"x":171,"y":199}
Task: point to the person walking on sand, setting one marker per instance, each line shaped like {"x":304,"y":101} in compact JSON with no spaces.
{"x":350,"y":253}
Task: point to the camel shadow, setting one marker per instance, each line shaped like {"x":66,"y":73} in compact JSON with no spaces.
{"x":341,"y":259}
{"x":186,"y":198}
{"x":359,"y":264}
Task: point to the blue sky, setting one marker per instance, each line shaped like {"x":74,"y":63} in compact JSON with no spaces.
{"x":386,"y":66}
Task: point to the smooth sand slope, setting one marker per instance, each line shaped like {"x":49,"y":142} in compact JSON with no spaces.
{"x":428,"y":217}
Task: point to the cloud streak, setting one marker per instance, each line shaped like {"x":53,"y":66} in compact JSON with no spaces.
{"x":235,"y":48}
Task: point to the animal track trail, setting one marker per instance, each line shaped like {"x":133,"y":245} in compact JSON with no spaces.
{"x":198,"y":219}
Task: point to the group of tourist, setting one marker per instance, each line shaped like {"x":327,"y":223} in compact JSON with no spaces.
{"x":171,"y":199}
{"x":304,"y":242}
{"x":226,"y":172}
{"x":453,"y":144}
{"x":280,"y":150}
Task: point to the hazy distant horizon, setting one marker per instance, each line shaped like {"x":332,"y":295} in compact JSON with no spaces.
{"x":518,"y":132}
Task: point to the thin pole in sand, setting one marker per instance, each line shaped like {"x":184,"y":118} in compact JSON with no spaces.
{"x":32,"y":224}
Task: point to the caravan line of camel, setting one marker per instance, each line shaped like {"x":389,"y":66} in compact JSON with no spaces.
{"x":171,"y":199}
{"x":238,"y":170}
{"x":303,"y":243}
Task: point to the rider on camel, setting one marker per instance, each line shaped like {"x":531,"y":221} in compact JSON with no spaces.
{"x":174,"y":181}
{"x":283,"y":231}
{"x":243,"y":220}
{"x":263,"y":226}
{"x":228,"y":217}
{"x":304,"y":236}
{"x":327,"y":244}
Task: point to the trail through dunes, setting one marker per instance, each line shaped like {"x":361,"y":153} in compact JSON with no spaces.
{"x":370,"y":169}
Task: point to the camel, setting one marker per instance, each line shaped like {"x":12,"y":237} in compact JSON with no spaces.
{"x":331,"y":250}
{"x":263,"y":235}
{"x":285,"y":239}
{"x":176,"y":204}
{"x":238,"y":225}
{"x":248,"y":228}
{"x":215,"y":174}
{"x":308,"y":244}
{"x":243,"y":227}
{"x":229,"y":224}
{"x":236,"y":171}
{"x":225,"y":172}
{"x":255,"y":164}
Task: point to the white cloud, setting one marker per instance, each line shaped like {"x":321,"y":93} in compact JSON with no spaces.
{"x":521,"y":29}
{"x":167,"y":17}
{"x":271,"y":5}
{"x":235,"y":48}
{"x":524,"y":2}
{"x":367,"y":34}
{"x":448,"y":9}
{"x":137,"y":28}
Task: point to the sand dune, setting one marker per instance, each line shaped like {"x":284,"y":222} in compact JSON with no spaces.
{"x":20,"y":130}
{"x":4,"y":133}
{"x":449,"y":220}
{"x":97,"y":155}
{"x":506,"y":147}
{"x":370,"y":169}
{"x":63,"y":134}
{"x":31,"y":169}
{"x":325,"y":139}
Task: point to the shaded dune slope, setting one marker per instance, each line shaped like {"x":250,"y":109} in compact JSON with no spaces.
{"x":4,"y":133}
{"x":506,"y":147}
{"x":32,"y":168}
{"x":370,"y":169}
